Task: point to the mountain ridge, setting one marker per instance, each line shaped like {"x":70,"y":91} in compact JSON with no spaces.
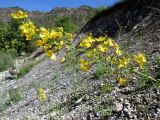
{"x":79,"y":16}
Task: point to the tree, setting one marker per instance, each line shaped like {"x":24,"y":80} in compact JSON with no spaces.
{"x":66,"y":23}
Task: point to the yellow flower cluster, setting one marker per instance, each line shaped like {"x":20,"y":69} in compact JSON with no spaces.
{"x":96,"y":47}
{"x":51,"y":55}
{"x":91,"y":53}
{"x":84,"y":64}
{"x":41,"y":94}
{"x":102,"y":44}
{"x":140,"y":59}
{"x":28,"y":30}
{"x":122,"y":81}
{"x":105,"y":48}
{"x":87,"y":42}
{"x":123,"y":62}
{"x":53,"y":39}
{"x":19,"y":15}
{"x":46,"y":34}
{"x":62,"y":60}
{"x":69,"y":36}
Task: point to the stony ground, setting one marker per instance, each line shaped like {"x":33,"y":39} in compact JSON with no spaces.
{"x":74,"y":95}
{"x":56,"y":80}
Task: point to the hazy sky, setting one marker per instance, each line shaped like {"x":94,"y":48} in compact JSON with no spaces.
{"x":46,"y":5}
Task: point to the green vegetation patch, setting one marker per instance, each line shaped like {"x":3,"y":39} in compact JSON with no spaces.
{"x":6,"y":60}
{"x":66,"y":23}
{"x":13,"y":96}
{"x":27,"y":67}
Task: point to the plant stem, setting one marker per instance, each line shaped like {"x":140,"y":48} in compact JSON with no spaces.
{"x":151,"y":78}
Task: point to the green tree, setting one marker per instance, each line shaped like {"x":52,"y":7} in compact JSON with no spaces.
{"x":100,"y":9}
{"x":10,"y":38}
{"x":66,"y":23}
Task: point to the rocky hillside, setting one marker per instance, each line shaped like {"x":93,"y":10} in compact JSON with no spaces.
{"x":5,"y":13}
{"x":79,"y":16}
{"x":94,"y":95}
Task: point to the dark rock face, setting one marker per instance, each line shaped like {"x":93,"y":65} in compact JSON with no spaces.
{"x":124,"y":15}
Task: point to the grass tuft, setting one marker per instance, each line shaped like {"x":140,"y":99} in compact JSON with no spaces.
{"x":27,"y":67}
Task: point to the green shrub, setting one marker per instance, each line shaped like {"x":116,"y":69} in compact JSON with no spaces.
{"x":3,"y":106}
{"x":106,"y":88}
{"x":10,"y":38}
{"x":14,"y":96}
{"x":101,"y":71}
{"x":6,"y":61}
{"x":100,"y":10}
{"x":25,"y":69}
{"x":13,"y":53}
{"x":66,"y":23}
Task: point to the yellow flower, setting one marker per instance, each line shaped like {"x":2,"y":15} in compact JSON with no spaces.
{"x":122,"y":81}
{"x":111,"y":59}
{"x":28,"y":30}
{"x":88,"y":45}
{"x":92,"y":52}
{"x":44,"y":41}
{"x":59,"y":34}
{"x":84,"y":64}
{"x":19,"y":15}
{"x":44,"y":33}
{"x":53,"y":34}
{"x":39,"y":43}
{"x":116,"y":46}
{"x":29,"y":37}
{"x":90,"y":34}
{"x":47,"y":46}
{"x":56,"y":35}
{"x":140,"y":59}
{"x":102,"y":48}
{"x":69,"y":36}
{"x":60,"y":29}
{"x":117,"y":49}
{"x":57,"y":48}
{"x":53,"y":57}
{"x":123,"y":62}
{"x":62,"y":60}
{"x":41,"y":94}
{"x":118,"y":52}
{"x":109,"y":42}
{"x":49,"y":53}
{"x":100,"y":39}
{"x":87,"y":42}
{"x":61,"y":43}
{"x":82,"y":44}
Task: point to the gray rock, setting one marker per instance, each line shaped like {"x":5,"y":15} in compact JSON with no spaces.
{"x":118,"y":107}
{"x":23,"y":54}
{"x":6,"y":75}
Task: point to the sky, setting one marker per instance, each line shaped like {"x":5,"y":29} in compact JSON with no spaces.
{"x":47,"y":5}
